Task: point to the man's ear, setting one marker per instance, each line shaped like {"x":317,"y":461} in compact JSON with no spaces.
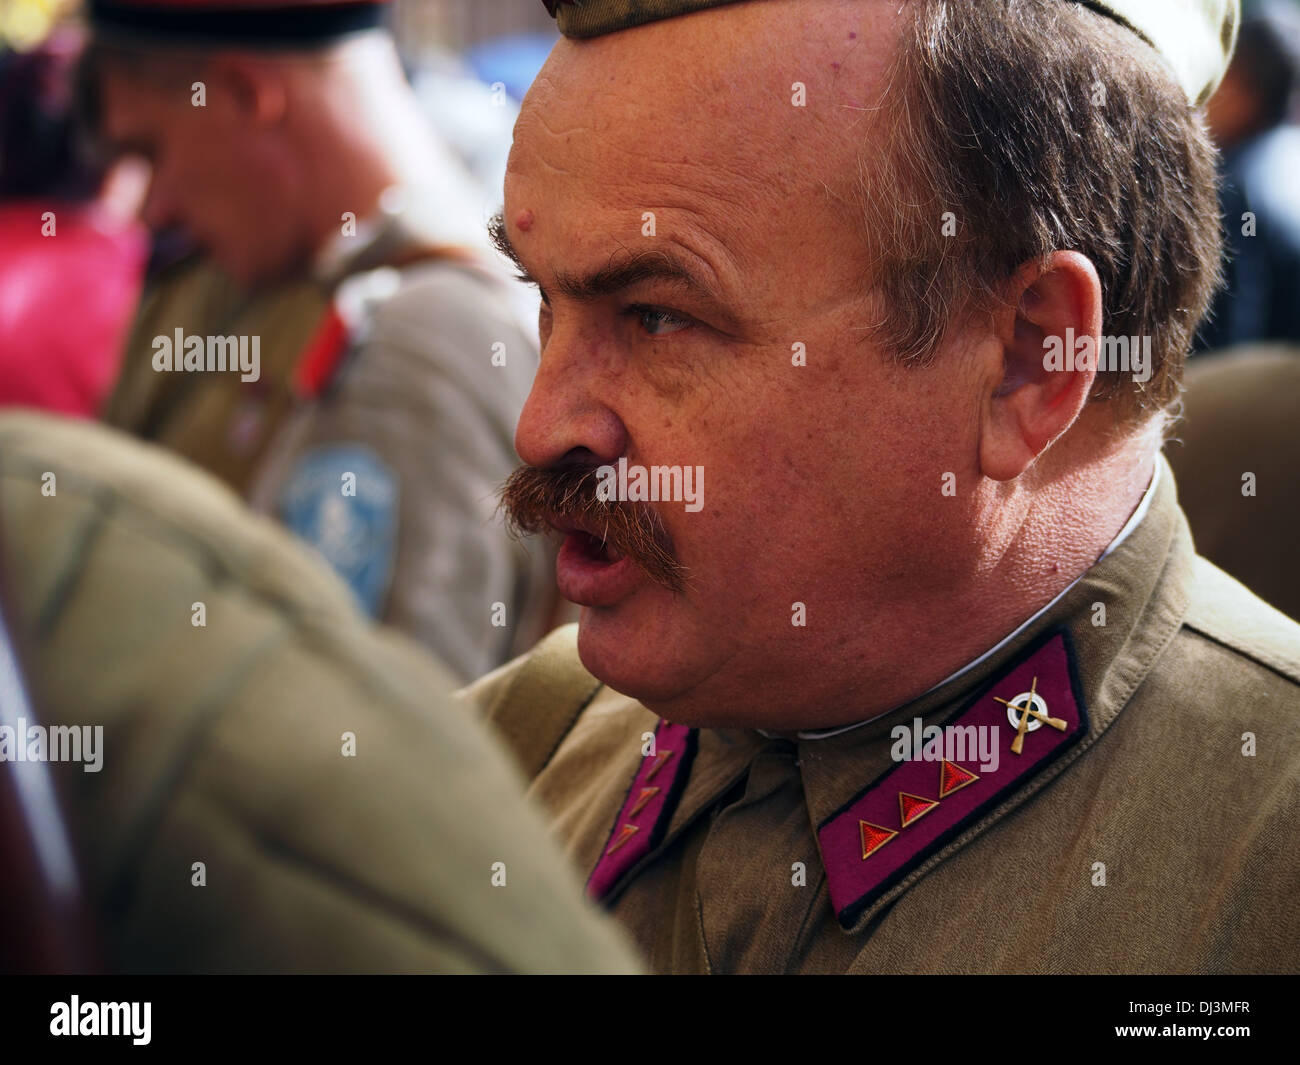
{"x":253,"y":89}
{"x":1048,"y":336}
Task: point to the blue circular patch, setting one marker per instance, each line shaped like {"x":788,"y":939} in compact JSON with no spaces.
{"x":343,"y":501}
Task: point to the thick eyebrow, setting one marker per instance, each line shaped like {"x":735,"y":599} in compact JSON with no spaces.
{"x":500,"y":239}
{"x":642,"y":266}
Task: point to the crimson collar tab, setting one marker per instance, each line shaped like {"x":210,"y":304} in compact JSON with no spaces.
{"x":643,"y":819}
{"x":915,"y":809}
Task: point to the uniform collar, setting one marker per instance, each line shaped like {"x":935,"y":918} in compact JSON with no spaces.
{"x":1118,"y":618}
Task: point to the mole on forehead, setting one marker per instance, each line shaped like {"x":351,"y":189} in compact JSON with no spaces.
{"x":524,"y":220}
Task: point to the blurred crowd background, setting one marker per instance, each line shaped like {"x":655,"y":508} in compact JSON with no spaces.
{"x":459,"y":55}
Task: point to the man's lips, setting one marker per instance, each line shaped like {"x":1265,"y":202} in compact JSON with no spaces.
{"x":567,"y":527}
{"x":591,"y":572}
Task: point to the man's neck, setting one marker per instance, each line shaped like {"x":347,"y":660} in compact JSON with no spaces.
{"x":1058,"y":534}
{"x":1134,"y":519}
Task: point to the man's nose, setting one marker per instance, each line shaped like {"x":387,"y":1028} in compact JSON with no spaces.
{"x":568,"y":410}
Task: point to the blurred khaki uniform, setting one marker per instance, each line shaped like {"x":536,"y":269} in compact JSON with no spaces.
{"x":400,"y":364}
{"x":223,"y":743}
{"x":1159,"y":838}
{"x":1237,"y":457}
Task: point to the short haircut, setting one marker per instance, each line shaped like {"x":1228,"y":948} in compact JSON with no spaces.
{"x":169,"y":69}
{"x":170,"y":66}
{"x":1041,"y":126}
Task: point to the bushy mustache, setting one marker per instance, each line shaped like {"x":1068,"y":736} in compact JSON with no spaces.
{"x":534,"y":497}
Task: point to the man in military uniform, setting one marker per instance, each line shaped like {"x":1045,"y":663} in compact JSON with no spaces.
{"x":933,"y":681}
{"x":380,"y":369}
{"x":278,"y":785}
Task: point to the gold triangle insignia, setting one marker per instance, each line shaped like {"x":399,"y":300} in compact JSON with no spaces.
{"x":624,"y":834}
{"x":873,"y":838}
{"x":642,"y":800}
{"x":661,"y":757}
{"x":953,"y":777}
{"x":912,"y":808}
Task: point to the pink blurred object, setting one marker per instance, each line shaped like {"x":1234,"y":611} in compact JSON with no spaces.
{"x":66,"y":302}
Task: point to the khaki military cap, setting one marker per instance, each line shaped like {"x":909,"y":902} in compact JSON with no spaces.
{"x":1195,"y":37}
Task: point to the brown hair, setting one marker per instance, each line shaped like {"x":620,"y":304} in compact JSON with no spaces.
{"x":1041,"y":126}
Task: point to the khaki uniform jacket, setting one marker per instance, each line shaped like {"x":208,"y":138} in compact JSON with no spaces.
{"x":225,"y":743}
{"x":1160,"y":836}
{"x":420,"y":408}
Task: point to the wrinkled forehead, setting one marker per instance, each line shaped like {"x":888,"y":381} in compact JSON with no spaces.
{"x":753,"y":102}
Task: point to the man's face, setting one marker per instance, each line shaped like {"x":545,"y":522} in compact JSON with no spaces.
{"x":214,"y":174}
{"x":822,"y":481}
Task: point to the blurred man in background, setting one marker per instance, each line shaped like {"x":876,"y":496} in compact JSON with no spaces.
{"x":1252,"y":119}
{"x":339,"y":248}
{"x":1238,"y":447}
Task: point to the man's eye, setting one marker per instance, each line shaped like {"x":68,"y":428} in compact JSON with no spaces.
{"x":656,"y":322}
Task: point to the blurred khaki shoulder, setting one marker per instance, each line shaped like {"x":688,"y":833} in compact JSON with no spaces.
{"x":281,"y":786}
{"x":1236,"y":456}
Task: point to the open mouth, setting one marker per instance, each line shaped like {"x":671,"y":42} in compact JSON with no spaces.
{"x":590,"y":571}
{"x":594,"y":548}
